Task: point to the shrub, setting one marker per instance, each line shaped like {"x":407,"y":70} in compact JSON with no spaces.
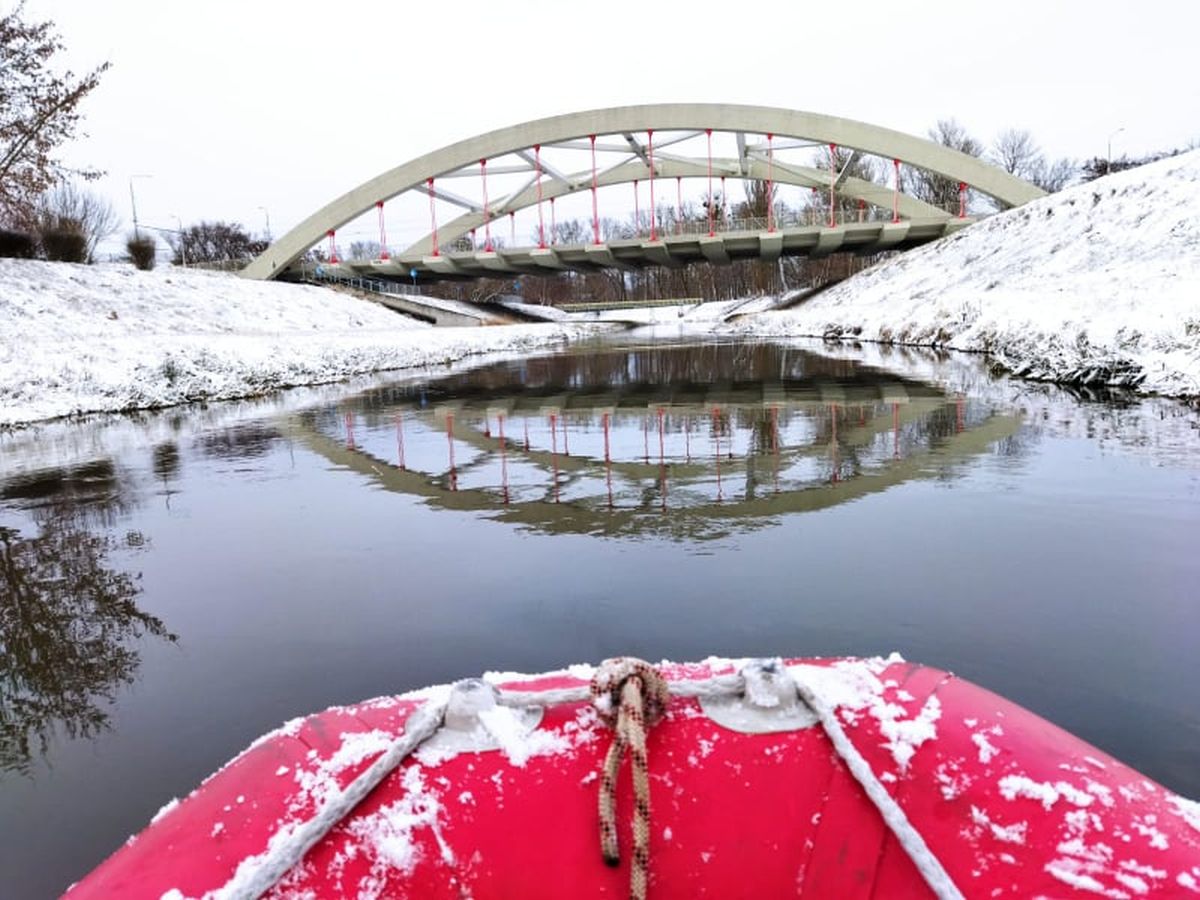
{"x":68,"y":207}
{"x":142,"y":250}
{"x":65,"y":245}
{"x":16,"y":244}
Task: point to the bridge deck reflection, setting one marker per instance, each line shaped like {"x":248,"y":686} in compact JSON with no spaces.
{"x":622,"y":446}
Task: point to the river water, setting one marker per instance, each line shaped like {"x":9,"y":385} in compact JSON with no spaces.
{"x":174,"y":584}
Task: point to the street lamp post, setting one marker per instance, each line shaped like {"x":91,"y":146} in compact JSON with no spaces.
{"x":1108,"y":157}
{"x":133,"y":205}
{"x":182,"y":245}
{"x":267,"y":214}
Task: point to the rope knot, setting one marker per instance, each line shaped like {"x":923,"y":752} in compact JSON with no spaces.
{"x":608,"y":684}
{"x":630,"y":695}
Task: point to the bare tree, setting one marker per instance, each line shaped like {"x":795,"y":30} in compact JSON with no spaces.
{"x":758,"y":198}
{"x":70,"y":208}
{"x":572,"y":232}
{"x":1098,"y":166}
{"x":365,"y":250}
{"x":214,"y":242}
{"x":846,"y":163}
{"x":930,"y":186}
{"x":39,"y":111}
{"x":1016,"y":152}
{"x":1056,"y":175}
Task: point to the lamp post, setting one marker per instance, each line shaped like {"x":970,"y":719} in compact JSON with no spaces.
{"x":1108,"y":157}
{"x":182,"y":245}
{"x":133,"y":204}
{"x":267,"y":214}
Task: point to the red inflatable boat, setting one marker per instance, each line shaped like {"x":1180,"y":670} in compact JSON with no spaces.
{"x":801,"y":778}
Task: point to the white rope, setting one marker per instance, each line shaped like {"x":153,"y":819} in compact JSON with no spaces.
{"x":731,"y":685}
{"x":258,"y":874}
{"x":910,"y":839}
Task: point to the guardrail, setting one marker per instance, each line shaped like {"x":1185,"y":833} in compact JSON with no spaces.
{"x":372,"y":285}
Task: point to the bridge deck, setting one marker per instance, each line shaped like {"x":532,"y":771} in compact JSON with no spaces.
{"x":673,"y":250}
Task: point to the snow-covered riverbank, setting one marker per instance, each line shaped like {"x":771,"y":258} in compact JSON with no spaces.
{"x":77,"y":339}
{"x":1099,"y":284}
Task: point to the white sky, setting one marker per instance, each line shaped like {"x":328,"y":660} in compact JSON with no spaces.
{"x":235,"y":108}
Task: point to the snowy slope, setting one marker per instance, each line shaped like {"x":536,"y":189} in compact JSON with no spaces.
{"x":1097,"y":284}
{"x":97,"y":338}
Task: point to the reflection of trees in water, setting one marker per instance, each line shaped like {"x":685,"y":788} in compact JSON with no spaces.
{"x":92,"y":491}
{"x":249,"y":441}
{"x":166,"y":461}
{"x":68,"y":617}
{"x":615,"y":368}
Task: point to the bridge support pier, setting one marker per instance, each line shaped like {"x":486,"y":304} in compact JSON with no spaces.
{"x":770,"y":246}
{"x":893,"y":233}
{"x":713,"y":249}
{"x":828,"y":241}
{"x":441,"y":265}
{"x":659,"y":254}
{"x":601,"y":255}
{"x":547,"y":259}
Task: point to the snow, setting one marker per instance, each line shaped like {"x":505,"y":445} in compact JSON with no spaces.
{"x":987,"y":749}
{"x":1014,"y":786}
{"x":1067,"y":871}
{"x":388,"y":833}
{"x":1094,"y":284}
{"x":170,"y":805}
{"x":904,"y":736}
{"x":1132,"y":866}
{"x":100,"y":338}
{"x":516,"y":742}
{"x":1188,"y":810}
{"x":1145,"y":826}
{"x":1009,"y":834}
{"x":1133,"y":882}
{"x":319,"y":783}
{"x":852,"y":686}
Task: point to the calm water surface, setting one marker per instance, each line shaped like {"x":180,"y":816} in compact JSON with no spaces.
{"x":172,"y":586}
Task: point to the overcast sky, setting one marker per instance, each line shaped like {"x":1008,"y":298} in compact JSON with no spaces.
{"x":240,"y":109}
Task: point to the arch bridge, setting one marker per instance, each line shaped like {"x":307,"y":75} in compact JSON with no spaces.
{"x":546,"y":169}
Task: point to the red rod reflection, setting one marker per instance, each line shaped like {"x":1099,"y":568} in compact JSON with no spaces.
{"x":450,"y":451}
{"x":503,"y":460}
{"x":400,"y":439}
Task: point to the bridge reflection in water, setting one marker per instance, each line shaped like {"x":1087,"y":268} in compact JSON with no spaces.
{"x":650,"y":440}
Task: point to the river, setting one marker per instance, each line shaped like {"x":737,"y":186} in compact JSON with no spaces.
{"x":173,"y":584}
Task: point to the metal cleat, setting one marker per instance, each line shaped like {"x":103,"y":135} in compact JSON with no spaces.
{"x":768,"y":704}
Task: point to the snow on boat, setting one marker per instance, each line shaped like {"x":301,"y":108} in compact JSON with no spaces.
{"x":847,"y":778}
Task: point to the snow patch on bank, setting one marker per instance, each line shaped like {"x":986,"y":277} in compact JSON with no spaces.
{"x":101,"y":338}
{"x":1095,"y":284}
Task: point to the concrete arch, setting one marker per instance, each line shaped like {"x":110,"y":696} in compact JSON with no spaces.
{"x":783,"y":123}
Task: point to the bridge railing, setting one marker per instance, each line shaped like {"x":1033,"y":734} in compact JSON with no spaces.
{"x":812,"y":217}
{"x":320,"y":273}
